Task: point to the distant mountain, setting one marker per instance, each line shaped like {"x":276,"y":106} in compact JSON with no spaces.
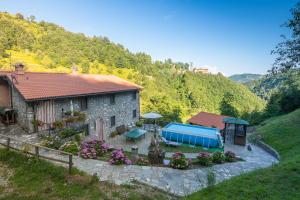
{"x":245,"y":78}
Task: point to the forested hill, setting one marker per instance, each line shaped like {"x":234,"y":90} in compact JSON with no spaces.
{"x":244,"y":78}
{"x":168,"y":87}
{"x":268,"y":85}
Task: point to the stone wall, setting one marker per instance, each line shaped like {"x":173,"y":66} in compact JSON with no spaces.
{"x":24,"y":111}
{"x":268,"y":149}
{"x":99,"y":107}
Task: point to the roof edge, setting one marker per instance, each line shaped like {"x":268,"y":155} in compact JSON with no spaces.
{"x":79,"y":95}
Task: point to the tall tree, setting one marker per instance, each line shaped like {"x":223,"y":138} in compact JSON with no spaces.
{"x":288,"y":51}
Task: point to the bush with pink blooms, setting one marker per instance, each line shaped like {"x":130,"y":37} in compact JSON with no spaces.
{"x":179,"y":161}
{"x":93,"y":149}
{"x":204,"y":159}
{"x":118,"y":158}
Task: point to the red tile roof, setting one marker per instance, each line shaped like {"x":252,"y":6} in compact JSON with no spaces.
{"x":208,"y":119}
{"x":36,"y":85}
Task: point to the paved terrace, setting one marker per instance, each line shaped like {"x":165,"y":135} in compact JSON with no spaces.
{"x":178,"y":182}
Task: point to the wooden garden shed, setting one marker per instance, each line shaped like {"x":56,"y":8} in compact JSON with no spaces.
{"x":235,"y":131}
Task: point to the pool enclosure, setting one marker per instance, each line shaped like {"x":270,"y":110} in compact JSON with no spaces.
{"x":193,"y":135}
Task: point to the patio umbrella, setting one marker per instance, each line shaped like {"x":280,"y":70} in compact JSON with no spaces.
{"x":153,"y":116}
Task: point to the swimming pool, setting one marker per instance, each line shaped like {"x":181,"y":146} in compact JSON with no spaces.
{"x":193,"y":135}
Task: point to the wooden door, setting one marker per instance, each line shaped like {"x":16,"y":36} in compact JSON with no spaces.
{"x":100,"y":129}
{"x":45,"y":112}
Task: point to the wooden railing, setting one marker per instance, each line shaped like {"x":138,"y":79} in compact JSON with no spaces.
{"x":36,"y":152}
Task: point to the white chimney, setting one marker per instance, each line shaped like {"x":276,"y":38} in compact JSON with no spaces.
{"x":19,"y":68}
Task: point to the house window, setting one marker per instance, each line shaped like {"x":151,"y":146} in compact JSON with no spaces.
{"x":112,"y":99}
{"x":84,"y":103}
{"x":134,"y":96}
{"x":134,"y":114}
{"x":112,"y":121}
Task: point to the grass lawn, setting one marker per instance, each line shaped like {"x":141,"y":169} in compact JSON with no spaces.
{"x":39,"y":180}
{"x":188,"y":149}
{"x":281,"y":181}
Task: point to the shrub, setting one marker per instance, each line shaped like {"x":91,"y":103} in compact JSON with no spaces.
{"x":218,"y":157}
{"x":76,"y":113}
{"x":68,"y":113}
{"x":77,"y":138}
{"x":57,"y":124}
{"x":141,"y":161}
{"x":230,"y":156}
{"x":204,"y":158}
{"x":101,"y":148}
{"x":37,"y":123}
{"x":113,"y":134}
{"x":178,"y":161}
{"x":52,"y":142}
{"x":68,"y":132}
{"x":70,"y":147}
{"x":139,"y":123}
{"x":77,"y":117}
{"x":156,"y":154}
{"x":118,"y":158}
{"x":81,"y":117}
{"x":211,"y":179}
{"x":93,"y":148}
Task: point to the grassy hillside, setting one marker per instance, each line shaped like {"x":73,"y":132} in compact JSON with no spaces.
{"x":281,"y":181}
{"x":168,"y":87}
{"x":244,"y":78}
{"x":30,"y":178}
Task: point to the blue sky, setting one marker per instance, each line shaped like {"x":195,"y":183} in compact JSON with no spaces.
{"x":230,"y":36}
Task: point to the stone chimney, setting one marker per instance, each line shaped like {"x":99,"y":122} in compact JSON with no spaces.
{"x":74,"y":69}
{"x":19,"y":68}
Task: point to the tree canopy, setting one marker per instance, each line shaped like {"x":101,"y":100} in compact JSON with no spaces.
{"x":288,"y":51}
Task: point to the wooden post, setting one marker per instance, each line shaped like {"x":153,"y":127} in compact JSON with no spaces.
{"x":36,"y":151}
{"x":70,"y":164}
{"x":8,"y":143}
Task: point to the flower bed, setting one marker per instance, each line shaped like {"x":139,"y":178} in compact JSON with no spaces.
{"x":118,"y":158}
{"x":70,"y":147}
{"x":179,"y":161}
{"x":93,"y":149}
{"x":218,"y":157}
{"x":53,"y":142}
{"x":207,"y":159}
{"x":204,"y":159}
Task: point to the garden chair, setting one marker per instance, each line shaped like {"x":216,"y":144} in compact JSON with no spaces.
{"x":170,"y":143}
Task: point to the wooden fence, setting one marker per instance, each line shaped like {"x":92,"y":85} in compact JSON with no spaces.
{"x":36,"y":152}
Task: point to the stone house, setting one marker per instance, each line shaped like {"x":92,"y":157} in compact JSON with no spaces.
{"x":107,"y":101}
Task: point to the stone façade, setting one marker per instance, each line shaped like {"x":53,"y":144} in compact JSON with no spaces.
{"x":98,"y":107}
